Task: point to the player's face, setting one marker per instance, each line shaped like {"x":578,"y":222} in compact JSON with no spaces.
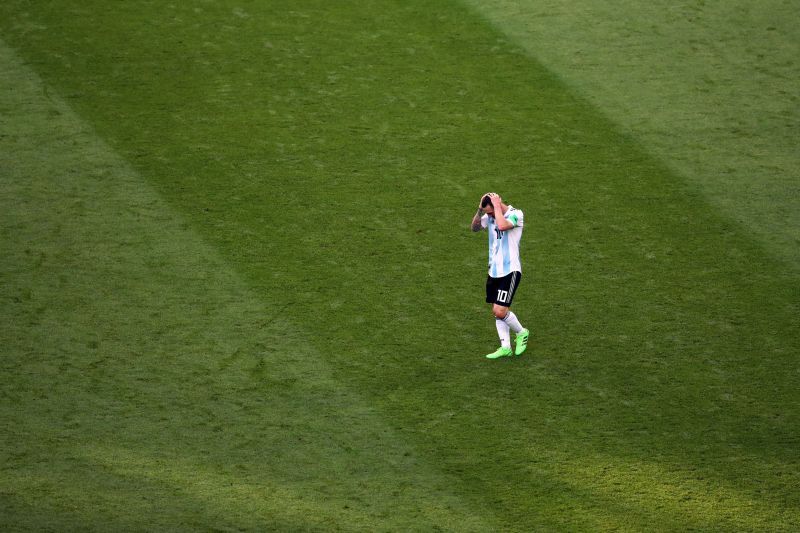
{"x":489,"y":210}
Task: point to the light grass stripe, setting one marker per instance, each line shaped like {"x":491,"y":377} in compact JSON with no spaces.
{"x":145,"y":385}
{"x":709,"y":88}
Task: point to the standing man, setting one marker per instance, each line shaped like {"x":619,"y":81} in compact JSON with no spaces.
{"x":504,"y":224}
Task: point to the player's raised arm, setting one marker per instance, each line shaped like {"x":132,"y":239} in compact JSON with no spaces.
{"x":499,"y":215}
{"x":476,"y":219}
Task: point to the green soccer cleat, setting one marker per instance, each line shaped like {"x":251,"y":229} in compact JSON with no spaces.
{"x":501,"y":352}
{"x":521,"y":341}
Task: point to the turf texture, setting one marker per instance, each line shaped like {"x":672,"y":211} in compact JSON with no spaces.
{"x":239,"y":290}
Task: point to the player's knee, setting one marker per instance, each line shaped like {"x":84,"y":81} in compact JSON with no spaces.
{"x":499,"y":311}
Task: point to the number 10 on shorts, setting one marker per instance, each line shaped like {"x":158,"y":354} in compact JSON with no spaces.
{"x":502,"y":296}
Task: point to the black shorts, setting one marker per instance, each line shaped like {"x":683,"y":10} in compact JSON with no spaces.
{"x":501,"y":291}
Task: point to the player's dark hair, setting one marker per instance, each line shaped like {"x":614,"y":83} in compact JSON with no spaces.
{"x":486,"y":201}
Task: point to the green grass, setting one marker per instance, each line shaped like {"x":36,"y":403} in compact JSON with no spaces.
{"x":710,"y":88}
{"x":239,"y":290}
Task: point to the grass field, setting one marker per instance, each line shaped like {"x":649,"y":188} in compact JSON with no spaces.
{"x":710,"y":88}
{"x":238,"y":290}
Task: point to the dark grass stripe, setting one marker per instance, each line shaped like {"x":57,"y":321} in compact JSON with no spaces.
{"x":334,"y":154}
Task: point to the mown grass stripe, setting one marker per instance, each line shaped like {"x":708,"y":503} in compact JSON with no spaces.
{"x":662,"y":334}
{"x":145,"y":386}
{"x":709,"y":88}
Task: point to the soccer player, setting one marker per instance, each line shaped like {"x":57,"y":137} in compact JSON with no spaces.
{"x":504,"y":224}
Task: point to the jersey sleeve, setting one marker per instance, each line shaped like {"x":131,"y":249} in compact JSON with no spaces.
{"x":485,"y":221}
{"x":517,"y":218}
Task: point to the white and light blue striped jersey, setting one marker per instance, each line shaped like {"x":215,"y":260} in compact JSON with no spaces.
{"x":504,"y":245}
